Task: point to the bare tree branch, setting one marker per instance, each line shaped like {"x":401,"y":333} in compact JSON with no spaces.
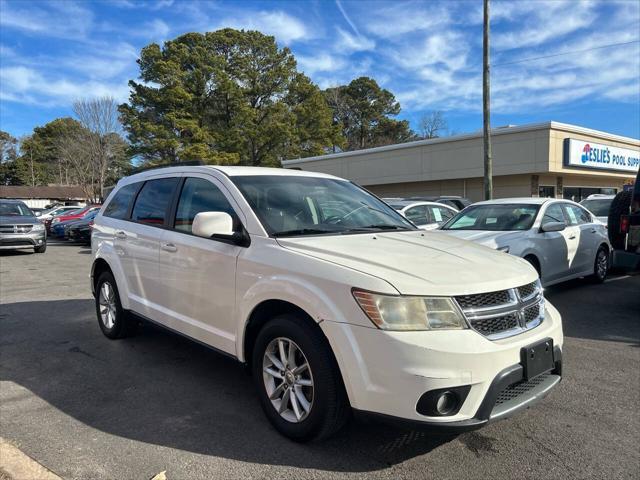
{"x":433,"y":125}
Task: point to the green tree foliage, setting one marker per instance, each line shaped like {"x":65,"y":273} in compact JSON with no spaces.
{"x":362,"y":110}
{"x":225,"y":97}
{"x":8,"y":156}
{"x":40,"y":161}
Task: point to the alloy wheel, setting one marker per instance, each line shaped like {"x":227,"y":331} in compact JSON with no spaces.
{"x":602,"y":264}
{"x":107,"y":301}
{"x":288,"y":379}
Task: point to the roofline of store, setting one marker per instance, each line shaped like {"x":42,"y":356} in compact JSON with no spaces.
{"x":467,"y":136}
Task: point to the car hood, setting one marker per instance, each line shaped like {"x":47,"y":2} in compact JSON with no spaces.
{"x":17,"y":219}
{"x":487,"y":238}
{"x":419,"y":262}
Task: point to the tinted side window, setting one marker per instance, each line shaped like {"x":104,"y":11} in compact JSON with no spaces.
{"x":418,"y":215}
{"x":119,"y":204}
{"x":199,"y":195}
{"x":553,"y":214}
{"x":441,"y":214}
{"x":581,"y":215}
{"x":153,"y":200}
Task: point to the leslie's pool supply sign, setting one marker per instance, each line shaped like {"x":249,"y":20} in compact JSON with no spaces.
{"x":579,"y":153}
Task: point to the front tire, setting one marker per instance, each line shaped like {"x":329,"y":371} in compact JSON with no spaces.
{"x":113,"y":320}
{"x":600,"y":266}
{"x":40,"y":249}
{"x":298,"y":380}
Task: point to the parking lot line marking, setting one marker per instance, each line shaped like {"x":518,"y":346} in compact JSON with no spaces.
{"x":617,"y":278}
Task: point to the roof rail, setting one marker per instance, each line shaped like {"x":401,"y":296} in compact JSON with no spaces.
{"x":190,"y":163}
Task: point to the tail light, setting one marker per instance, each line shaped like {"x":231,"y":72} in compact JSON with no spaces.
{"x":624,"y":224}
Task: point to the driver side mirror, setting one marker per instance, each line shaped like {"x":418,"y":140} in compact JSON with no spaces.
{"x":553,"y":227}
{"x":38,"y":214}
{"x":218,"y":225}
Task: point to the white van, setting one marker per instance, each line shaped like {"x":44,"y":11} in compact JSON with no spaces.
{"x":336,"y":302}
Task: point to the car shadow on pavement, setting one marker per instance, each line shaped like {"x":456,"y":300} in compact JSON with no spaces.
{"x":578,"y":301}
{"x":163,"y":389}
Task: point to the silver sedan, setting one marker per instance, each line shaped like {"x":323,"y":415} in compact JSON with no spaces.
{"x":561,"y":239}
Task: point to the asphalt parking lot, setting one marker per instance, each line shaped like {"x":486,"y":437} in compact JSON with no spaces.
{"x":87,"y":407}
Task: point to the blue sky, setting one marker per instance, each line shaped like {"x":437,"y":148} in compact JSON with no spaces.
{"x":428,"y":53}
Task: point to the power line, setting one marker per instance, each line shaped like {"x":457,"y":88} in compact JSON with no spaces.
{"x":566,"y":53}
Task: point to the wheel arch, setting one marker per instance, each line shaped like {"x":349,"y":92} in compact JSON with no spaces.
{"x":101,"y":264}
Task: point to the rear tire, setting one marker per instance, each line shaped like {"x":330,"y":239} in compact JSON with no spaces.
{"x":40,"y":249}
{"x":601,"y":266}
{"x":113,"y":320}
{"x":321,"y":406}
{"x":619,"y":206}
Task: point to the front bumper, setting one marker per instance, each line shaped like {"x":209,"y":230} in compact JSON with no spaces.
{"x":386,"y":373}
{"x":11,"y":241}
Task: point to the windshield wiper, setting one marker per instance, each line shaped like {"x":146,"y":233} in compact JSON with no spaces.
{"x":302,"y":231}
{"x":370,"y":228}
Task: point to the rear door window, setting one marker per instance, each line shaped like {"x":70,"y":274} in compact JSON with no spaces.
{"x":118,"y":207}
{"x":153,"y":201}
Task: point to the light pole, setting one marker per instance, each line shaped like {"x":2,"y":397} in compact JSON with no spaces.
{"x":486,"y":107}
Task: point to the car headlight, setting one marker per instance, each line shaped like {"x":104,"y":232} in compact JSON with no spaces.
{"x":37,"y":227}
{"x":504,"y":249}
{"x":55,"y":220}
{"x":394,"y":312}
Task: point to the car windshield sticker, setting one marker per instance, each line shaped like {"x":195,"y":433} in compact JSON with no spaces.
{"x":437,"y":214}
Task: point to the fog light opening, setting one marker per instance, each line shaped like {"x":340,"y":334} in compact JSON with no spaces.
{"x":447,"y":402}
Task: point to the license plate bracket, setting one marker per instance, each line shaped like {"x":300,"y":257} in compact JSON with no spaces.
{"x":537,"y":359}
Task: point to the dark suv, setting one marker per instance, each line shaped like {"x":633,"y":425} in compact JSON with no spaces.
{"x":19,"y":227}
{"x":624,"y":227}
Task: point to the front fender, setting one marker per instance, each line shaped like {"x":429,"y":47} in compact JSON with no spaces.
{"x":303,"y":294}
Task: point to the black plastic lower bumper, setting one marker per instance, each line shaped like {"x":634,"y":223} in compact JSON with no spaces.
{"x":494,"y":406}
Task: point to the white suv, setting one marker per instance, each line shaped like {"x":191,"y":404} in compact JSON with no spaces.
{"x":336,"y":302}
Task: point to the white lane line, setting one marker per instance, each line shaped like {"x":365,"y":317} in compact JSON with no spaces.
{"x":617,"y":278}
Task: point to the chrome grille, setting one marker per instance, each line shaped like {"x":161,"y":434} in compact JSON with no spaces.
{"x":506,"y":312}
{"x":491,"y":325}
{"x":482,"y":300}
{"x":531,"y":313}
{"x":15,"y":228}
{"x":527,"y":291}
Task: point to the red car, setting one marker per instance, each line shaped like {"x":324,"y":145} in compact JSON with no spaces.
{"x":72,"y":215}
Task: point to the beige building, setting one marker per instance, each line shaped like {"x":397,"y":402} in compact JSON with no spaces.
{"x":544,"y":159}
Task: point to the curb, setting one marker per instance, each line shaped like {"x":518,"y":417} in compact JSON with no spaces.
{"x":17,"y":466}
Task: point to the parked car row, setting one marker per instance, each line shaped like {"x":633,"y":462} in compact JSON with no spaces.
{"x":74,"y":227}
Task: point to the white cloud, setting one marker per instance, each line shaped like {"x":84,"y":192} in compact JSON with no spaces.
{"x":320,"y":63}
{"x":347,"y":42}
{"x":406,"y":17}
{"x":57,"y":19}
{"x":541,"y":22}
{"x":25,"y":85}
{"x":283,"y":26}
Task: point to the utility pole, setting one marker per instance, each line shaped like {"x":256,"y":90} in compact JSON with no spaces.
{"x":486,"y":107}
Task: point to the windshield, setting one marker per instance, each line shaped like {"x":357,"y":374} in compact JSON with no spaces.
{"x":495,"y":217}
{"x":15,"y":210}
{"x":292,"y":205}
{"x":599,"y":207}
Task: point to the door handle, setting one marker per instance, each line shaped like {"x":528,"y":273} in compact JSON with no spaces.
{"x":121,"y":235}
{"x":593,"y":230}
{"x":572,"y":237}
{"x":169,"y":247}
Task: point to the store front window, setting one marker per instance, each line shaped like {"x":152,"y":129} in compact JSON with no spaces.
{"x":578,"y":194}
{"x":546,"y":191}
